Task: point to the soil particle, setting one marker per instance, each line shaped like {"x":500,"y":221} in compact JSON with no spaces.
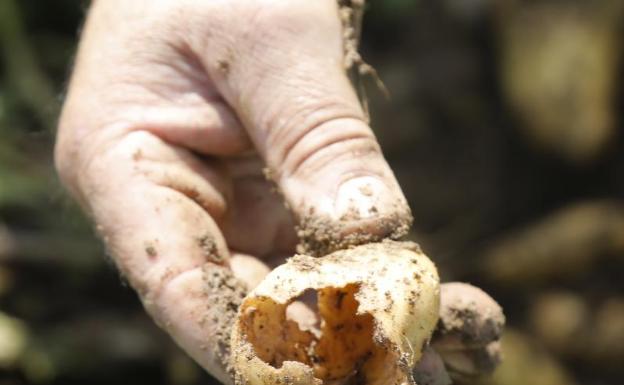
{"x":209,"y":248}
{"x":389,"y":302}
{"x":225,"y":294}
{"x":366,"y":190}
{"x":150,"y":250}
{"x":137,"y":155}
{"x":305,"y":263}
{"x":466,"y":324}
{"x":223,"y":66}
{"x":269,"y":175}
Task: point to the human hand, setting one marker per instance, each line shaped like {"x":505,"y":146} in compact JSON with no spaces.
{"x":466,"y":343}
{"x":173,"y":112}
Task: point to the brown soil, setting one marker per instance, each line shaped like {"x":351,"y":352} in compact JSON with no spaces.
{"x":351,"y":14}
{"x":320,"y":236}
{"x":225,"y":294}
{"x":209,"y":248}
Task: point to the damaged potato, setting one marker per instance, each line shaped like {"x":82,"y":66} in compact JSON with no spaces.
{"x":378,"y":305}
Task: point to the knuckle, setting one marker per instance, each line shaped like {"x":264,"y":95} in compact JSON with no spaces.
{"x":82,"y":153}
{"x":308,"y":157}
{"x":308,"y":125}
{"x":310,"y":143}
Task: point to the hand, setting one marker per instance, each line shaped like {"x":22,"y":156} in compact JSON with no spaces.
{"x":175,"y":109}
{"x":466,"y":343}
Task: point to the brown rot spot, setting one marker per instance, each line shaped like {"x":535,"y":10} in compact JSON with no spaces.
{"x":342,"y":350}
{"x":339,"y":298}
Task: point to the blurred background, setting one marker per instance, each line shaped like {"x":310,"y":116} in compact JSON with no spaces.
{"x":504,"y":127}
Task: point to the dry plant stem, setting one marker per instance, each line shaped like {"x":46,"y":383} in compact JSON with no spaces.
{"x":352,"y":15}
{"x":379,"y":305}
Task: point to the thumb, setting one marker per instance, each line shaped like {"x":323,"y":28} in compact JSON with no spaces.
{"x":288,"y":84}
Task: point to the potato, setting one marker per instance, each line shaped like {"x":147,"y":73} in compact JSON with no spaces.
{"x":378,"y":305}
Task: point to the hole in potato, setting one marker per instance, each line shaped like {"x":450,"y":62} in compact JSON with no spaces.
{"x":305,"y":312}
{"x":340,"y":349}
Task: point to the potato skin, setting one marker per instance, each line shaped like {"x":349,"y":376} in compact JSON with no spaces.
{"x":398,"y":286}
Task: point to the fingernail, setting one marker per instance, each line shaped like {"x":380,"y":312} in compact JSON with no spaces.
{"x":362,"y":198}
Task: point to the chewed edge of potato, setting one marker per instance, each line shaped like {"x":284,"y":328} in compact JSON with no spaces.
{"x":378,"y":304}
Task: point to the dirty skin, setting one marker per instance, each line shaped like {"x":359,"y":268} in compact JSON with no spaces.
{"x":225,"y":294}
{"x":320,"y":236}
